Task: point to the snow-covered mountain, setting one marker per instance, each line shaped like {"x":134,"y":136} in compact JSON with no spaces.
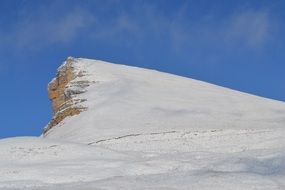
{"x":122,"y":127}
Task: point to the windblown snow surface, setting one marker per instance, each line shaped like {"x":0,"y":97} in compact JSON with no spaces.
{"x":145,"y":129}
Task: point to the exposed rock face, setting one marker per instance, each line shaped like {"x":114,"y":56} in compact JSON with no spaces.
{"x":62,"y":91}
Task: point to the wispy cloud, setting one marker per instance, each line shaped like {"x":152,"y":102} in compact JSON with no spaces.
{"x":140,"y":23}
{"x":43,"y":31}
{"x":41,"y":28}
{"x":249,"y":28}
{"x":246,"y":28}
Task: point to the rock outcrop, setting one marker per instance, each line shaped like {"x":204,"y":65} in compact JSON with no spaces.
{"x":63,"y":91}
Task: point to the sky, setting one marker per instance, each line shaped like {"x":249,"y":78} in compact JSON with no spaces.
{"x":235,"y":44}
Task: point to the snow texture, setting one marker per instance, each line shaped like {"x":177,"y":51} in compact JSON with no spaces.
{"x":145,"y":129}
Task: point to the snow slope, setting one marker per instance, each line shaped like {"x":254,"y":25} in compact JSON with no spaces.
{"x":149,"y":130}
{"x":123,"y":100}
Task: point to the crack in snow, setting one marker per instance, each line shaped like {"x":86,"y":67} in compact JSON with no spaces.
{"x":132,"y":135}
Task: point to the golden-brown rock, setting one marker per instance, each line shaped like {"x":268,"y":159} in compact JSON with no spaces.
{"x":64,"y":104}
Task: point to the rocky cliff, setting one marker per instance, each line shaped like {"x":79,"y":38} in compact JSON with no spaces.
{"x":63,"y":91}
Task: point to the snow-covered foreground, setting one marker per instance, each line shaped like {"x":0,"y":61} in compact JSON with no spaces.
{"x":224,"y":159}
{"x":149,"y":130}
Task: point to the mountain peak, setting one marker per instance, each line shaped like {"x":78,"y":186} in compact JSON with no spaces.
{"x":109,"y":100}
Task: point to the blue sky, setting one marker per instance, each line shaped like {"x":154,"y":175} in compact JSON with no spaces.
{"x":236,"y":44}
